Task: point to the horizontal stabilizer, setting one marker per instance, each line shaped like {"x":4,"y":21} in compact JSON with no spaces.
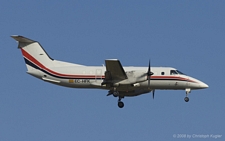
{"x":22,"y":39}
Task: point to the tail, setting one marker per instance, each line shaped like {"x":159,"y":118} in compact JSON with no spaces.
{"x":34,"y":55}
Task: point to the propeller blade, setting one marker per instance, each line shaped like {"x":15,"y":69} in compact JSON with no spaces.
{"x":149,"y":73}
{"x":153,"y":94}
{"x":149,"y":68}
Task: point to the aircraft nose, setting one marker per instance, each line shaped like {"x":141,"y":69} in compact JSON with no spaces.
{"x":203,"y":85}
{"x":197,"y":84}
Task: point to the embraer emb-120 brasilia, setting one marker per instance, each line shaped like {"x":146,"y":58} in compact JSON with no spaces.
{"x":118,"y":80}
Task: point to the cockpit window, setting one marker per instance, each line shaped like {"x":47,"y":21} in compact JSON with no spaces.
{"x":175,"y":72}
{"x":180,"y":72}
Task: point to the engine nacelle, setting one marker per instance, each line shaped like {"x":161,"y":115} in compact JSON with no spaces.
{"x":133,"y":78}
{"x":139,"y":76}
{"x":136,"y":85}
{"x":116,"y":84}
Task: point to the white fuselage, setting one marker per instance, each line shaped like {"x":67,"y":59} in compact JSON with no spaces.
{"x":79,"y":76}
{"x":119,"y":80}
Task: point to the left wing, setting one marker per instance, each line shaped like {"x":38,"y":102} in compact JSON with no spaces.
{"x":114,"y":70}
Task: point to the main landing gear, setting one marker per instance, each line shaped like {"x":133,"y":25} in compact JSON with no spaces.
{"x":120,"y":103}
{"x":188,"y":90}
{"x":115,"y":93}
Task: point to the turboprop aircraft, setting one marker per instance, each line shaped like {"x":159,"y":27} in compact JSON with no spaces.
{"x":120,"y":81}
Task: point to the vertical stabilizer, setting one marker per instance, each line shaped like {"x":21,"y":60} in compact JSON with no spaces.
{"x":34,"y":55}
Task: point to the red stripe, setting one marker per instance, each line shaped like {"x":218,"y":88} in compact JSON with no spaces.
{"x":36,"y":62}
{"x":173,"y":77}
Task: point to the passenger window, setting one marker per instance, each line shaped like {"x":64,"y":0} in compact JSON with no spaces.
{"x":162,"y":73}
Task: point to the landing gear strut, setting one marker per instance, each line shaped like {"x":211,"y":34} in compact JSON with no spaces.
{"x":188,"y":90}
{"x":120,"y":103}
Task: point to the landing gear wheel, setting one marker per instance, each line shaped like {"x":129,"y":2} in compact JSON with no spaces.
{"x":115,"y":94}
{"x":186,"y":99}
{"x":120,"y":104}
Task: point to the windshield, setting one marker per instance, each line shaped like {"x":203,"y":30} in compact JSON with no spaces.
{"x":176,"y":72}
{"x":179,"y":72}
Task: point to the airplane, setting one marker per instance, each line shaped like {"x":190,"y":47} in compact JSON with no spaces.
{"x":120,"y":81}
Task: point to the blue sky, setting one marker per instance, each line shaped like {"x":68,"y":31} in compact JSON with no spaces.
{"x":187,"y":35}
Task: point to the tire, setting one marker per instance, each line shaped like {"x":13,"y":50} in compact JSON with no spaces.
{"x":120,"y":104}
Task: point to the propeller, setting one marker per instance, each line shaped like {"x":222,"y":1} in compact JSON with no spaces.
{"x":153,"y":94}
{"x":149,"y":73}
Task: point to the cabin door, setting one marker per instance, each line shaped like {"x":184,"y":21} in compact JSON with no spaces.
{"x":98,"y":74}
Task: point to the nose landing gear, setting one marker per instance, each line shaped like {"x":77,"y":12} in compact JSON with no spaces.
{"x":188,"y":90}
{"x":186,"y":99}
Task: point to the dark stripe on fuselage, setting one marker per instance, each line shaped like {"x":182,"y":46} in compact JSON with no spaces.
{"x":169,"y":79}
{"x":36,"y":67}
{"x":31,"y":64}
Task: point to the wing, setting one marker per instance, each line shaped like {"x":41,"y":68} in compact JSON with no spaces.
{"x":114,"y":70}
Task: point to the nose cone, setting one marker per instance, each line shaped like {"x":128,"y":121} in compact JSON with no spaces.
{"x":203,"y":85}
{"x":197,"y":84}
